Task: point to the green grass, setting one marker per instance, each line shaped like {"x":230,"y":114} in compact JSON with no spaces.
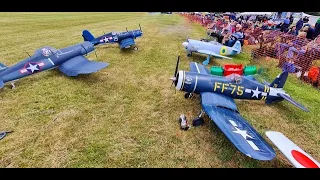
{"x":126,"y":115}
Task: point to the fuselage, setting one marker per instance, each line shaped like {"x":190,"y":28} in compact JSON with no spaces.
{"x":195,"y":45}
{"x":43,"y":59}
{"x":114,"y":37}
{"x":234,"y":85}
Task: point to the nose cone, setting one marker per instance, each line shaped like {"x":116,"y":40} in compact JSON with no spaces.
{"x":179,"y":80}
{"x":185,"y":44}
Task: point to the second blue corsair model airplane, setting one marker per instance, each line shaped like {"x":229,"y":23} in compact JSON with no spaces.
{"x":217,"y":99}
{"x":125,"y":39}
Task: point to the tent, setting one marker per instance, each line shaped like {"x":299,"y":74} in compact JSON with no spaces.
{"x":255,"y":13}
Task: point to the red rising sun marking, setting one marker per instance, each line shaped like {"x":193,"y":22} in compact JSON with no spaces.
{"x":303,"y":159}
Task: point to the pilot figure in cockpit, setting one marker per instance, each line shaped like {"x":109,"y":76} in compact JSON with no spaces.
{"x":46,"y":52}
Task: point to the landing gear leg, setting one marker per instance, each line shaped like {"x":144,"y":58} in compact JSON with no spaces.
{"x":12,"y":85}
{"x":188,"y":95}
{"x":206,"y":62}
{"x":198,"y":120}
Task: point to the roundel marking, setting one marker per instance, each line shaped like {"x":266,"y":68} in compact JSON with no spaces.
{"x":223,"y":50}
{"x":303,"y":159}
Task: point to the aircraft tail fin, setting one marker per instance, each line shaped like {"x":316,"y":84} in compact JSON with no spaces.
{"x":280,"y":80}
{"x":87,"y":36}
{"x":237,"y":47}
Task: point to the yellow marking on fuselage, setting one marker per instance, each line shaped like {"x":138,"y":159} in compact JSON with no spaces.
{"x":240,"y":90}
{"x":224,"y":86}
{"x":216,"y":85}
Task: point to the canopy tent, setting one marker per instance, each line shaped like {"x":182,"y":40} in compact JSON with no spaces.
{"x":255,"y":13}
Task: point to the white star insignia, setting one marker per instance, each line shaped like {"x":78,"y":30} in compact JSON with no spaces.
{"x":243,"y":133}
{"x":256,"y":93}
{"x":106,"y":39}
{"x":33,"y":67}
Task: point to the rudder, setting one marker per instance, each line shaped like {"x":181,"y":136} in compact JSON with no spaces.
{"x":87,"y":36}
{"x":237,"y":46}
{"x":280,"y":80}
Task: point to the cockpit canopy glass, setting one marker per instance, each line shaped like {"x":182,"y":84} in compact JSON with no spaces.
{"x":235,"y":78}
{"x":46,"y":51}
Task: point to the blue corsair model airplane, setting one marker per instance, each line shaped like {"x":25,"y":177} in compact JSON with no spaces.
{"x":125,"y":39}
{"x":217,"y":99}
{"x":69,"y":60}
{"x":211,"y":48}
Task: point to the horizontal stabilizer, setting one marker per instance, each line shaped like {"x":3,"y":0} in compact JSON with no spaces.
{"x":292,"y":101}
{"x":81,"y":65}
{"x":298,"y":157}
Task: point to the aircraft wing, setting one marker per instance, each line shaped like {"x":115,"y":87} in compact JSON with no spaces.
{"x":81,"y":65}
{"x":126,"y":42}
{"x":223,"y":112}
{"x":212,"y":54}
{"x":298,"y":157}
{"x":199,"y":68}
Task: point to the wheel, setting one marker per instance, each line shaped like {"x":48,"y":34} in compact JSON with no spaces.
{"x":189,"y":54}
{"x":188,"y":95}
{"x":135,"y":48}
{"x":198,"y":121}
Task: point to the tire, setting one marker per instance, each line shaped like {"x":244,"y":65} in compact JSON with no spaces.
{"x":188,"y":95}
{"x":198,"y":121}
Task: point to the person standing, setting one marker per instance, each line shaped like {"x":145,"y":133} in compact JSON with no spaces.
{"x":299,"y":25}
{"x":291,"y":19}
{"x":317,"y":29}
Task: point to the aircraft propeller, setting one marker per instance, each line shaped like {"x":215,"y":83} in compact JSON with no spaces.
{"x":96,"y":54}
{"x":27,"y":53}
{"x":174,"y":79}
{"x":140,"y":27}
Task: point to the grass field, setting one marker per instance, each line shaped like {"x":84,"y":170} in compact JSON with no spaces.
{"x":126,"y":115}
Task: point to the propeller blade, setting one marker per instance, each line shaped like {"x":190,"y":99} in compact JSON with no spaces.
{"x":27,"y":53}
{"x":127,"y":29}
{"x":140,"y":27}
{"x":96,"y":54}
{"x":177,"y":66}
